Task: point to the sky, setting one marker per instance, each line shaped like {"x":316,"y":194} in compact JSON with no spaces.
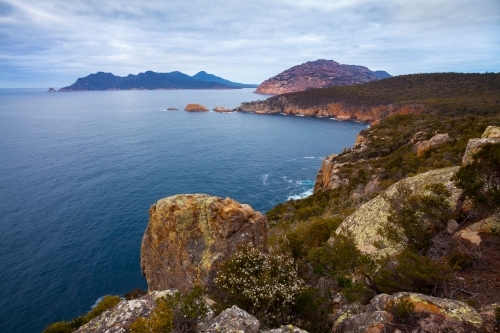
{"x":52,"y":43}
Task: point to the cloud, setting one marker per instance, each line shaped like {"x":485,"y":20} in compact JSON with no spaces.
{"x":51,"y":43}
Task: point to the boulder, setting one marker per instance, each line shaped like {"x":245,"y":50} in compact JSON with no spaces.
{"x":364,"y":223}
{"x":431,"y":314}
{"x":119,"y":318}
{"x":189,"y":235}
{"x":195,"y":108}
{"x":437,"y":140}
{"x":366,"y":322}
{"x":234,"y":319}
{"x":489,"y":225}
{"x":491,"y":132}
{"x":452,"y":226}
{"x":450,"y":309}
{"x":490,"y":135}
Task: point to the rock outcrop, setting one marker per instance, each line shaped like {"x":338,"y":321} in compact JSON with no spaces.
{"x":490,"y":135}
{"x":318,"y":74}
{"x":172,"y":109}
{"x":189,"y":235}
{"x":365,"y":221}
{"x":433,"y":314}
{"x":234,"y":320}
{"x":195,"y":108}
{"x":222,"y":109}
{"x":422,"y":147}
{"x":51,"y":90}
{"x":119,"y":318}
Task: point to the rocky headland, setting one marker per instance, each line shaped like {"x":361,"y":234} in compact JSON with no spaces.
{"x":442,"y":93}
{"x":151,"y":81}
{"x":318,"y":74}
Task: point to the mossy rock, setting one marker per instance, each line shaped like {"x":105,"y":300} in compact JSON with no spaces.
{"x":365,"y":222}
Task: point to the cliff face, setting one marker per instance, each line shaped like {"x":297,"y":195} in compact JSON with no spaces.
{"x":340,"y":111}
{"x":318,"y":74}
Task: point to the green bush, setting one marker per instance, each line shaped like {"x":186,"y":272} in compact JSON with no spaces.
{"x":401,"y":308}
{"x":59,"y":327}
{"x":266,"y":285}
{"x":188,"y":309}
{"x":159,"y":321}
{"x":410,"y":271}
{"x":136,"y":293}
{"x":339,"y":259}
{"x":408,"y":212}
{"x":105,"y":304}
{"x":62,"y":326}
{"x":480,"y":180}
{"x":460,"y":260}
{"x":300,"y":239}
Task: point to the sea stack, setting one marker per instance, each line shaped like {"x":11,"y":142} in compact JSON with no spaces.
{"x":195,"y":108}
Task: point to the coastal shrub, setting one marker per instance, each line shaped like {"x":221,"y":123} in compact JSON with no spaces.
{"x":410,"y":271}
{"x":401,"y":308}
{"x":340,"y":258}
{"x":59,"y":327}
{"x":188,"y":308}
{"x":159,"y":321}
{"x":266,"y":285}
{"x":311,"y":311}
{"x":480,"y":180}
{"x":408,"y":212}
{"x":301,"y":238}
{"x":105,"y":304}
{"x":136,"y":293}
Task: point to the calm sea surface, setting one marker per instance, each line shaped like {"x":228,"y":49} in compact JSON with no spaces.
{"x":79,"y":171}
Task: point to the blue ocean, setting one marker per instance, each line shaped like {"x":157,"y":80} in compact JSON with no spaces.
{"x":79,"y":171}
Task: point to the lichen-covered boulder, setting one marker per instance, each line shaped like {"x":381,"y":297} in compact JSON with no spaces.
{"x":491,"y":132}
{"x":189,"y":235}
{"x":490,"y":135}
{"x":448,"y":308}
{"x":366,"y":322}
{"x":119,"y":318}
{"x":431,"y":314}
{"x":364,"y":223}
{"x":234,"y":319}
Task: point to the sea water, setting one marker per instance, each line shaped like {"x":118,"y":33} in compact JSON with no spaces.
{"x":79,"y":171}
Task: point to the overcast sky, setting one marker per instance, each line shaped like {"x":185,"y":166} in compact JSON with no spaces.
{"x":52,"y":43}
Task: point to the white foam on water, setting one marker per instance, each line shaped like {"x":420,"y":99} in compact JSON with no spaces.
{"x":264,"y":179}
{"x":302,"y":195}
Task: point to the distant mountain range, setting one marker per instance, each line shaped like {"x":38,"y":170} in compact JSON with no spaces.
{"x":318,"y":74}
{"x":152,"y":81}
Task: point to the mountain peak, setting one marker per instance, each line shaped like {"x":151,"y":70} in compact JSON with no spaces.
{"x":319,"y":73}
